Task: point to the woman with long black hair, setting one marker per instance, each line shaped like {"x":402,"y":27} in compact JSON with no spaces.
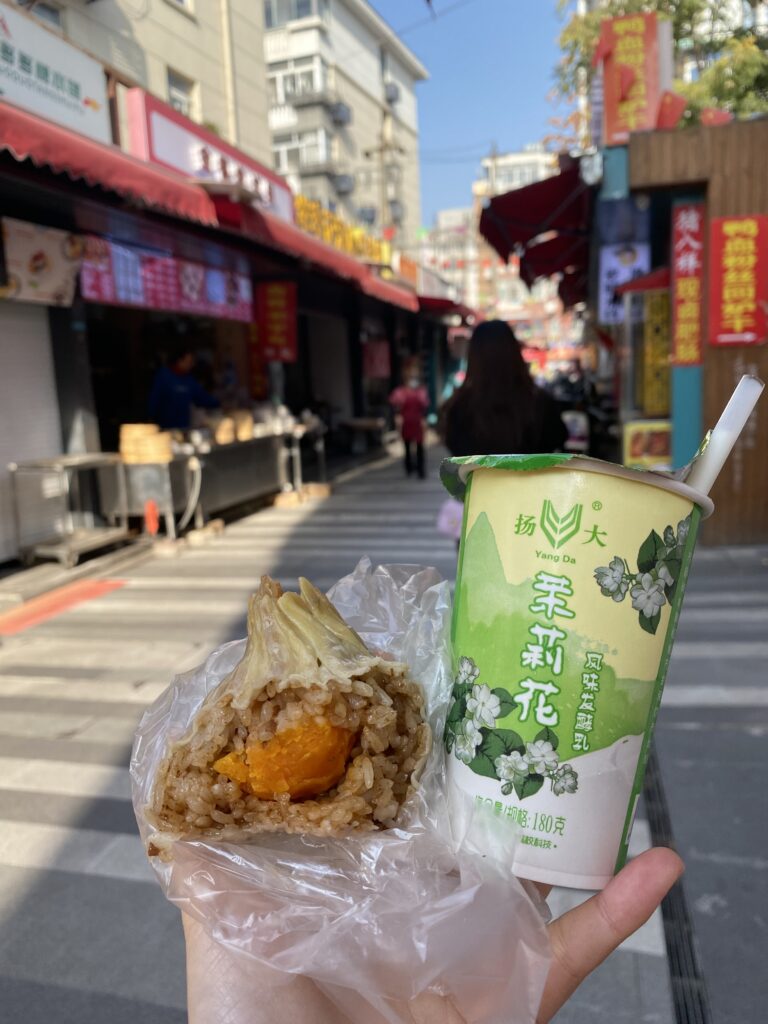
{"x":499,"y":410}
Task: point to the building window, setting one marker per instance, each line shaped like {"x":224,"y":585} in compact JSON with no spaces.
{"x":300,"y":151}
{"x":303,"y":76}
{"x":279,"y":12}
{"x":182,"y":94}
{"x":44,"y":12}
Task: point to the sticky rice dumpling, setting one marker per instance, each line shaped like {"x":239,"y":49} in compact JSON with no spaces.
{"x":310,"y":733}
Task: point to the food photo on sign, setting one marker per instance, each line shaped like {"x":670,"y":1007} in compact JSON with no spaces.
{"x":618,"y":265}
{"x":38,"y":264}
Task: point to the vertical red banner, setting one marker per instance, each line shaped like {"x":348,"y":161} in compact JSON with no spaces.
{"x":738,"y":286}
{"x":687,"y":283}
{"x":277,"y":320}
{"x":631,"y":75}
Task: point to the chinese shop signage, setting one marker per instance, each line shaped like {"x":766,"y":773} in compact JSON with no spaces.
{"x":629,"y":49}
{"x":276,"y":319}
{"x":41,"y":72}
{"x":161,"y":135}
{"x":39,"y":264}
{"x":738,"y":292}
{"x":687,"y":282}
{"x":316,"y":220}
{"x":123,"y":275}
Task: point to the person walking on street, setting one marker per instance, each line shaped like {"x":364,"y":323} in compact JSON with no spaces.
{"x":410,"y":402}
{"x":499,"y":410}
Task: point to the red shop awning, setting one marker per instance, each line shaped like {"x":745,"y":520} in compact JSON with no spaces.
{"x":278,"y":234}
{"x":572,"y":288}
{"x":387,"y":291}
{"x":561,"y":203}
{"x":561,"y":254}
{"x":657,"y":281}
{"x":439,"y":306}
{"x":28,"y":137}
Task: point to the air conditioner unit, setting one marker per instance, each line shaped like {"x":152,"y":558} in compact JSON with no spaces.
{"x":344,"y":184}
{"x":367,"y":215}
{"x":396,"y":211}
{"x":341,"y":114}
{"x":391,"y":92}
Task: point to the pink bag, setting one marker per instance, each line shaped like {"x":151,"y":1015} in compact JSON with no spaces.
{"x":449,"y":518}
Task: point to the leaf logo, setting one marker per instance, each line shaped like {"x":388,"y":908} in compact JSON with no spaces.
{"x":559,"y":529}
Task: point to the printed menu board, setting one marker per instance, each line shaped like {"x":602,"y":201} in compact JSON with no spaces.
{"x":128,"y":276}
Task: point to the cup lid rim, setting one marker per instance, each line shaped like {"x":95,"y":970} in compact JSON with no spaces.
{"x":454,"y":473}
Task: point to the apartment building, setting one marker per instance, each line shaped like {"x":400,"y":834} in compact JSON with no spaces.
{"x":449,"y":249}
{"x":343,"y":111}
{"x":204,"y":57}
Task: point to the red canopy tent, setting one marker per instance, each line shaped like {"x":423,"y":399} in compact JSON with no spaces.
{"x":656,"y":281}
{"x":438,"y":306}
{"x":557,"y":255}
{"x":562,"y":203}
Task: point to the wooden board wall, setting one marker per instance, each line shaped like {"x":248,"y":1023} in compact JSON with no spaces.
{"x":730,"y":163}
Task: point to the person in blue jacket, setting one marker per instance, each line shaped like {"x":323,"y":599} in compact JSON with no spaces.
{"x":175,"y":391}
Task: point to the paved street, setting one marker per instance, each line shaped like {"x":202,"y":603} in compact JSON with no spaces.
{"x":87,"y":937}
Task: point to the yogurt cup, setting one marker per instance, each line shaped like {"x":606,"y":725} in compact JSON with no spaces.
{"x":570,"y":581}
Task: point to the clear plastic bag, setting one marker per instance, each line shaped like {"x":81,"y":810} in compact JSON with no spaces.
{"x":375,"y":919}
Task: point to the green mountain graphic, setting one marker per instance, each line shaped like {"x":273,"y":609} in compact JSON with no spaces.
{"x":491,"y":627}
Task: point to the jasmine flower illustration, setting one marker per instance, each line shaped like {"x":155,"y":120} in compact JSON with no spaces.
{"x":541,"y":756}
{"x":664,"y":574}
{"x":611,"y":579}
{"x":648,"y":595}
{"x":682,"y":531}
{"x":653,"y":584}
{"x":467,"y":741}
{"x":467,"y":671}
{"x":512,"y":767}
{"x":484,"y":706}
{"x":565,"y":781}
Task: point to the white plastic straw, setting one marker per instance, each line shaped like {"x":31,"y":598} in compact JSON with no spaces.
{"x":706,"y":468}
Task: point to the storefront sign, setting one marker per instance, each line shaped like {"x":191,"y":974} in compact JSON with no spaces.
{"x":122,"y":275}
{"x":39,"y":264}
{"x":276,"y":316}
{"x":161,"y":135}
{"x":619,"y":264}
{"x":738,"y":289}
{"x":629,"y":47}
{"x":648,"y":444}
{"x":41,"y":72}
{"x":687,"y":282}
{"x":316,"y":220}
{"x":654,"y":399}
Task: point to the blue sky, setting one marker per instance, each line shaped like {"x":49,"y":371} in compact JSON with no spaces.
{"x":491,"y":64}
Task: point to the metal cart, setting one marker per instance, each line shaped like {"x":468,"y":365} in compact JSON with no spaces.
{"x":204,"y":478}
{"x":58,"y":511}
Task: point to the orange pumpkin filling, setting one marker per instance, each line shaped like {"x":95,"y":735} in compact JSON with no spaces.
{"x":303,"y":761}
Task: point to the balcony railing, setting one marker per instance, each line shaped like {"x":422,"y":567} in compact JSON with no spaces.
{"x":282,"y":116}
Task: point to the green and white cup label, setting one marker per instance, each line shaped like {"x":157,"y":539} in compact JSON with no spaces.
{"x":567,"y":597}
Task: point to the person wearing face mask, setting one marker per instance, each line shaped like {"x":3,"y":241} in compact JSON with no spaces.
{"x":410,"y":403}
